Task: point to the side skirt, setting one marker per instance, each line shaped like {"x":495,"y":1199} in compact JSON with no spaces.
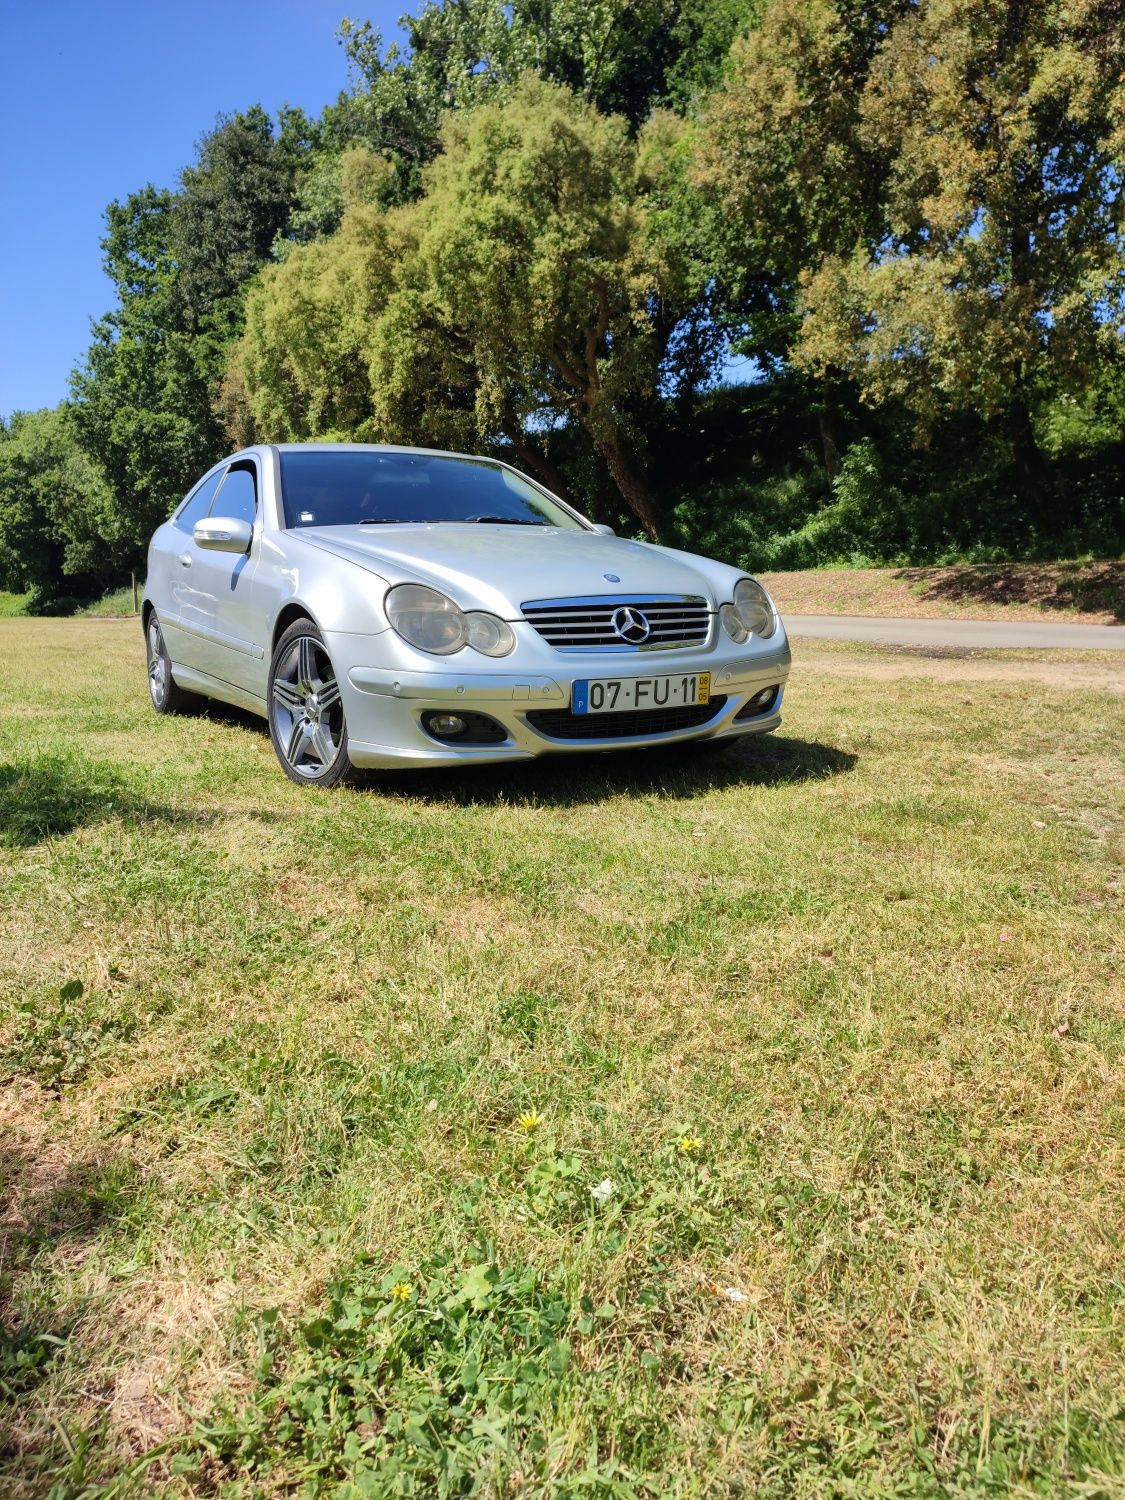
{"x":214,"y":687}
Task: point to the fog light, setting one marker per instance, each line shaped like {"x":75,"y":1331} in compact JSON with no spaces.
{"x":760,"y":703}
{"x":449,"y":726}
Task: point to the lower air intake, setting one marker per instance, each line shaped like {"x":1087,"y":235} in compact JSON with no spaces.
{"x":561,"y":724}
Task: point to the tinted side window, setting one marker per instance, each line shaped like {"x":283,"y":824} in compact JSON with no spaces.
{"x":198,"y":503}
{"x":237,"y":498}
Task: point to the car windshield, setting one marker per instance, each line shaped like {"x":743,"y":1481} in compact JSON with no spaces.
{"x":376,"y":488}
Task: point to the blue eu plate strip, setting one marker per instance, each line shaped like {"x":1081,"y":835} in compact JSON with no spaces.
{"x":580,"y":702}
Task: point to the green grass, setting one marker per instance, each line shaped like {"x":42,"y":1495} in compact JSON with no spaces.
{"x":116,"y":602}
{"x":12,"y":605}
{"x":817,"y":1042}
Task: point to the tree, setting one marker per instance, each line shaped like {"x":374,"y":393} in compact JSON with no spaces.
{"x":524,"y":288}
{"x":300,"y":369}
{"x":782,"y":153}
{"x":233,"y":202}
{"x":622,"y":56}
{"x":53,"y":503}
{"x":143,"y":396}
{"x":537,"y":250}
{"x":1000,"y":278}
{"x":147,"y":391}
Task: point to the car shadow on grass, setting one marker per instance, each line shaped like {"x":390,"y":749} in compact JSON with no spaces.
{"x":683,"y":770}
{"x":48,"y":796}
{"x":690,"y":769}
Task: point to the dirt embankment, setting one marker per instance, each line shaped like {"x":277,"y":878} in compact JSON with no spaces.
{"x":1091,"y":592}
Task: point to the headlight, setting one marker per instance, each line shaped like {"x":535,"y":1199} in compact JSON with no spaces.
{"x":432,"y":622}
{"x":488,"y":633}
{"x":733,"y":625}
{"x":754,"y":608}
{"x":427,"y":619}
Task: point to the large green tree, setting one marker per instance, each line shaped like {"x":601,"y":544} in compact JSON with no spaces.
{"x":53,"y":508}
{"x":143,"y":396}
{"x":999,"y":280}
{"x":623,"y":56}
{"x":233,"y":202}
{"x":781,"y":153}
{"x":147,"y":391}
{"x":538,"y":250}
{"x":525,"y":288}
{"x":301,"y":368}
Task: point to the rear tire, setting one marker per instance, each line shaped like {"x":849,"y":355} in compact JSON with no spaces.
{"x":306,"y":711}
{"x":166,"y":696}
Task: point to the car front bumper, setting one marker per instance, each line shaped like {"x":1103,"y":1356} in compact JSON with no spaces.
{"x":387,"y":689}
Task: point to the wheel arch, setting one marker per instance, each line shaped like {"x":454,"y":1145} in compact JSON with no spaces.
{"x":288,"y":615}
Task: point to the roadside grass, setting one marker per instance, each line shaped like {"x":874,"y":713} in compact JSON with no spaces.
{"x":116,"y":603}
{"x":112,"y":605}
{"x":747,"y":1123}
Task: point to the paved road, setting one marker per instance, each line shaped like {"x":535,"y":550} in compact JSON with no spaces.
{"x":976,"y":635}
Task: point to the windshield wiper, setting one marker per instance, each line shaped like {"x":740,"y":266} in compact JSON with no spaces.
{"x":382,"y":521}
{"x":504,"y":520}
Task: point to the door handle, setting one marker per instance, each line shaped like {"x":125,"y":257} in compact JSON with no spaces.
{"x":185,"y":559}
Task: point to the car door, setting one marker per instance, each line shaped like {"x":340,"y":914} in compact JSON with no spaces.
{"x":221,"y":586}
{"x":171,"y":583}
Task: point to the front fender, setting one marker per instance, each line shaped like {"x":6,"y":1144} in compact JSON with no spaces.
{"x":337,"y":594}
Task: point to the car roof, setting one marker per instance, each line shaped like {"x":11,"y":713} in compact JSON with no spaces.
{"x":375,"y":448}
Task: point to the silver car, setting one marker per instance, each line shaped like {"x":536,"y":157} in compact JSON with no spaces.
{"x":399,"y":607}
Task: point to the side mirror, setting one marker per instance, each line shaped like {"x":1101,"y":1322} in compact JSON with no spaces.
{"x":604,"y":530}
{"x":223,"y":534}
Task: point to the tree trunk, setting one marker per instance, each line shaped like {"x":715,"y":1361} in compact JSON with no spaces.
{"x":636,"y":494}
{"x":829,"y":430}
{"x":1032,"y":469}
{"x":532,"y":457}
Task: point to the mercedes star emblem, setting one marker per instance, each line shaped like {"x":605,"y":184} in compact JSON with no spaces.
{"x":631,"y":625}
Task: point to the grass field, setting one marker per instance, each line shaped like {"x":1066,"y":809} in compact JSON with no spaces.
{"x":746,"y":1124}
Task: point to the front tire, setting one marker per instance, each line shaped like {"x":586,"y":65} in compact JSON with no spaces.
{"x":306,"y":712}
{"x":166,"y":696}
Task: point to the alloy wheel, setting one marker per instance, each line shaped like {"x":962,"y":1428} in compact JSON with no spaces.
{"x":307,"y":711}
{"x":157,"y":664}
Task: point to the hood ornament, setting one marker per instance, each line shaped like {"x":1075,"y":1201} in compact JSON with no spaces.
{"x":611,"y":578}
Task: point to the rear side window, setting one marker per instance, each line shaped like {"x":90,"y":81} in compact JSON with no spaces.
{"x":198,"y":503}
{"x":237,"y":498}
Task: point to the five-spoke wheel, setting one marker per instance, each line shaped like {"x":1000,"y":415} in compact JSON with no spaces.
{"x":167,"y":697}
{"x":306,"y":712}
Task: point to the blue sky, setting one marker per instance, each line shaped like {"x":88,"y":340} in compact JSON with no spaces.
{"x":98,"y":98}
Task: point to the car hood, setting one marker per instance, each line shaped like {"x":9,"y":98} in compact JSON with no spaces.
{"x":500,"y":568}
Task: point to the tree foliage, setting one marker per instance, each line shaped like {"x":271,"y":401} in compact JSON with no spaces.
{"x":146,"y":394}
{"x":526,"y":287}
{"x":143,"y":396}
{"x":624,"y":57}
{"x":53,"y":508}
{"x":233,"y":202}
{"x":1000,"y":275}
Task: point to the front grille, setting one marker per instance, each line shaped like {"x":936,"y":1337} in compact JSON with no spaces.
{"x":587,"y":624}
{"x":561,"y":724}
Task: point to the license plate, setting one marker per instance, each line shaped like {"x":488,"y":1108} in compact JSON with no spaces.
{"x":615,"y":695}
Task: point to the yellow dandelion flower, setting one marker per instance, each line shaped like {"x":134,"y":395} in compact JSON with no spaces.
{"x":530,"y":1120}
{"x":690,"y":1143}
{"x":402,"y":1291}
